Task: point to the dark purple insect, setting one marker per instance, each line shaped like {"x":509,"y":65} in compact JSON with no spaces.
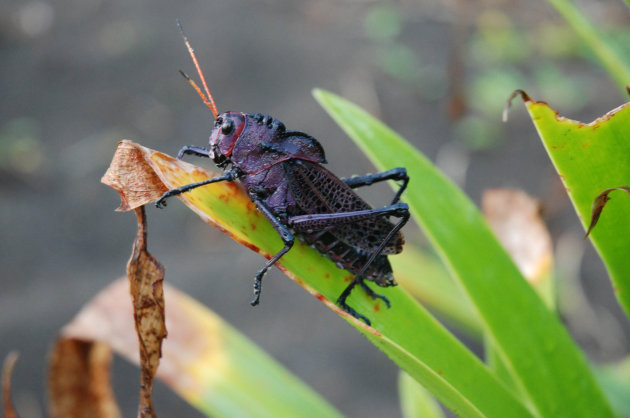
{"x":282,"y":173}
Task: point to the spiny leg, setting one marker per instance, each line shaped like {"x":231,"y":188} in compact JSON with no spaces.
{"x":287,"y":239}
{"x":397,"y":174}
{"x":229,"y":176}
{"x":358,"y":279}
{"x":322,"y":221}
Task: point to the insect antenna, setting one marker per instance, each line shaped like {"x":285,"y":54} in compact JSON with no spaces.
{"x":207,"y":98}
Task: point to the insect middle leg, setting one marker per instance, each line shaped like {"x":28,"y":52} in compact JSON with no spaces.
{"x":397,"y":174}
{"x":287,"y":239}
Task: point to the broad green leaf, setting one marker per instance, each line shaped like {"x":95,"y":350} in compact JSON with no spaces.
{"x":591,"y":158}
{"x":416,"y":401}
{"x":407,"y":333}
{"x":205,"y":360}
{"x":545,"y":363}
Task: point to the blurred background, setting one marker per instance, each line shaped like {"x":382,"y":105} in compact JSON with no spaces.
{"x":77,"y":76}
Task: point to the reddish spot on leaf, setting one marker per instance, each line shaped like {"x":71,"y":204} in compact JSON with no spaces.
{"x":327,"y":275}
{"x":252,"y":226}
{"x":252,"y":247}
{"x":377,"y":307}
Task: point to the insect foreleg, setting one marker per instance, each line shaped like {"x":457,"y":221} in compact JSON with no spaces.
{"x":323,"y":221}
{"x":287,"y":239}
{"x":229,"y":176}
{"x":397,"y":174}
{"x":191,"y":149}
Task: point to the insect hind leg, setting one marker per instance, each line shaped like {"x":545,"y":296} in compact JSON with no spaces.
{"x":368,"y":290}
{"x":403,"y":212}
{"x":341,"y":301}
{"x":396,"y":174}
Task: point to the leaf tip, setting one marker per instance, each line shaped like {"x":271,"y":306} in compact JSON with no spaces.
{"x":319,"y":94}
{"x":508,"y":103}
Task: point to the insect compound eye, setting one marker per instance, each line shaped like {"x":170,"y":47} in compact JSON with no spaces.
{"x":227,"y":127}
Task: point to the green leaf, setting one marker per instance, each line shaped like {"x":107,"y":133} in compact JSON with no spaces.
{"x":227,"y":375}
{"x":416,"y":401}
{"x":435,"y":288}
{"x":591,"y":158}
{"x":544,"y":361}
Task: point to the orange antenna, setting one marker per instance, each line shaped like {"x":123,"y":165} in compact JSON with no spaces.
{"x":208,"y":100}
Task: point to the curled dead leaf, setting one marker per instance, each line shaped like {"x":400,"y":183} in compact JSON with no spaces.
{"x":598,"y":206}
{"x":146,"y":276}
{"x":130,"y":176}
{"x":7,"y":372}
{"x":515,"y":219}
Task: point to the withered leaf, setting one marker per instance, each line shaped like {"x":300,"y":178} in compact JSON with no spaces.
{"x":7,"y":372}
{"x":598,"y":206}
{"x":515,"y":219}
{"x":130,"y":175}
{"x":79,"y":380}
{"x":146,"y":276}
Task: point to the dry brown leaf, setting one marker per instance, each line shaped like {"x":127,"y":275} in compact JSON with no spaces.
{"x":78,"y":380}
{"x":146,"y":276}
{"x":515,"y":219}
{"x":598,"y":206}
{"x":80,"y":362}
{"x":130,"y":175}
{"x":7,"y":372}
